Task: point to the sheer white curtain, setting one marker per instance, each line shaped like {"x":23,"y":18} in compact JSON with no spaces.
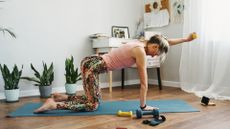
{"x":205,"y":62}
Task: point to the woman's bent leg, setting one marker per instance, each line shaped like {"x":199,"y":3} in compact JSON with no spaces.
{"x":91,"y":67}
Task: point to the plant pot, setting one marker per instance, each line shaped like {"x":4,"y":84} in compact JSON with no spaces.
{"x":71,"y":88}
{"x":12,"y":95}
{"x":45,"y":91}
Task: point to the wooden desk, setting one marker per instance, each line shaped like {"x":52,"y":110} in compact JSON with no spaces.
{"x":104,"y":45}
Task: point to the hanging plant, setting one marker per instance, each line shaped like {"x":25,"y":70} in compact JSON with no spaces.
{"x":4,"y":30}
{"x":178,"y":7}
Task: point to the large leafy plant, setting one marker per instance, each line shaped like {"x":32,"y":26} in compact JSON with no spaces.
{"x":42,"y":79}
{"x":71,"y":75}
{"x":4,"y":30}
{"x":11,"y":79}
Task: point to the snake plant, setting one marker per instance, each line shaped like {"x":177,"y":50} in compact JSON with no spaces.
{"x":42,"y":79}
{"x":71,"y":75}
{"x":11,"y":79}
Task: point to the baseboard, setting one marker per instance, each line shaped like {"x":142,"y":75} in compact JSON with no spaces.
{"x":61,"y":89}
{"x":165,"y":83}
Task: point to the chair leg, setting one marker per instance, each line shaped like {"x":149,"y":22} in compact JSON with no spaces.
{"x":122,"y":78}
{"x":159,"y":78}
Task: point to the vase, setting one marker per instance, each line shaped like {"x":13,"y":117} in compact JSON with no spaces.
{"x":12,"y":95}
{"x":45,"y":91}
{"x":71,"y":88}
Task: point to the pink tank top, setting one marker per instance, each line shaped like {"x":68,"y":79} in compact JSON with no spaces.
{"x":121,"y":57}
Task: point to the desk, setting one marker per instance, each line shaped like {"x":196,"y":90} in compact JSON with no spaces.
{"x":104,"y":45}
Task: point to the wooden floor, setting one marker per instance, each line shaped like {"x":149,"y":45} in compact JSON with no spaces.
{"x":216,"y":117}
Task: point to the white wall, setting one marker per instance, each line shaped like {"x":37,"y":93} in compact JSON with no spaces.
{"x":51,"y":30}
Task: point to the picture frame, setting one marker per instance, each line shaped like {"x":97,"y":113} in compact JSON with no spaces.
{"x":120,"y":32}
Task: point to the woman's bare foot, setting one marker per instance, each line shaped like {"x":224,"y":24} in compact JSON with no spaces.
{"x":50,"y":104}
{"x":149,"y":108}
{"x":59,"y":97}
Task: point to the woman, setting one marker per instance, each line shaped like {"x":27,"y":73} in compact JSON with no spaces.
{"x":122,"y":57}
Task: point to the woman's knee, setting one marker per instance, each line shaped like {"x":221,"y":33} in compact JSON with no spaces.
{"x":92,"y":106}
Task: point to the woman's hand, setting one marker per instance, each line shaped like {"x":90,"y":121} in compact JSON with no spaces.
{"x":191,"y":37}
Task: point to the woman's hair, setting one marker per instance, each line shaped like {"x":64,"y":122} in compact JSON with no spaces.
{"x":163,"y":45}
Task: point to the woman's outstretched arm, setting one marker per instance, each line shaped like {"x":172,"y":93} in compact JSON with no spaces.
{"x":176,"y":41}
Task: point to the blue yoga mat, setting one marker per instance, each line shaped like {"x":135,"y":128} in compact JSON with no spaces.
{"x":108,"y":108}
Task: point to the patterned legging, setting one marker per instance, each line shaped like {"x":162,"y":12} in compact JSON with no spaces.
{"x":91,"y":67}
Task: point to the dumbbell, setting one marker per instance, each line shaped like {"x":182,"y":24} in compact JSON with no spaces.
{"x":194,"y":35}
{"x":140,"y":113}
{"x":128,"y":114}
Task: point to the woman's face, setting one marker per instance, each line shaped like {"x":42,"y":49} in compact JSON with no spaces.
{"x":153,"y":49}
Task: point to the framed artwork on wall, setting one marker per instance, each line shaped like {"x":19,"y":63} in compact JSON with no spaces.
{"x":156,"y":13}
{"x":120,"y":32}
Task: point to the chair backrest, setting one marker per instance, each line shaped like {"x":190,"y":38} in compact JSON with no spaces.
{"x":151,"y":62}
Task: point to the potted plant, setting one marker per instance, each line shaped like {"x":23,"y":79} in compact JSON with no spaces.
{"x":43,"y":80}
{"x":11,"y":80}
{"x":72,"y":76}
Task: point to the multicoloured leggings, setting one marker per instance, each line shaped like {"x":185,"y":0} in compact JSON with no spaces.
{"x":91,"y":67}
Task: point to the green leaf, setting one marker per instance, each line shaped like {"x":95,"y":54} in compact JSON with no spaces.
{"x":11,"y":79}
{"x":44,"y":79}
{"x":31,"y":79}
{"x":37,"y":74}
{"x":9,"y":31}
{"x":71,"y":74}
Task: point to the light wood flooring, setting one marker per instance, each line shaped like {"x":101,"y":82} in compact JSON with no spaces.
{"x":211,"y":117}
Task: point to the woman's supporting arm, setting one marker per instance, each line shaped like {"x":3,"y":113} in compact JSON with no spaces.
{"x":140,"y":56}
